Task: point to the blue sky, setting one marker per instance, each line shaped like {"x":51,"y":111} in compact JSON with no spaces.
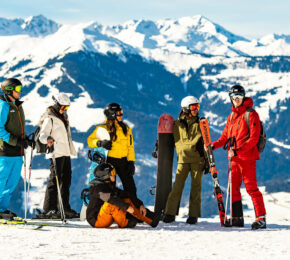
{"x":249,"y":18}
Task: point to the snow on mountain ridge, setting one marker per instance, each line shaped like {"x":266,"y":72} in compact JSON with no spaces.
{"x":34,"y":26}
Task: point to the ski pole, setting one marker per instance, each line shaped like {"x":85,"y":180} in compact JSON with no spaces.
{"x":61,"y":208}
{"x":25,"y":194}
{"x":231,"y":191}
{"x":227,"y":199}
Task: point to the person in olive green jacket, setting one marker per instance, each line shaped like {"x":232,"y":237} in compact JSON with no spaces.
{"x":13,"y":141}
{"x":190,"y":158}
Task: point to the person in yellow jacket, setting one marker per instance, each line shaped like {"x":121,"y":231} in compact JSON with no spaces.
{"x":121,"y":153}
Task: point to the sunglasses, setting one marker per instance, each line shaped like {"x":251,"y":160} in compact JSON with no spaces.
{"x":234,"y":96}
{"x":194,"y":107}
{"x":17,"y":88}
{"x":64,"y":108}
{"x":119,"y":113}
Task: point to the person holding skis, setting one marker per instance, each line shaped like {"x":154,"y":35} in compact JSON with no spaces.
{"x":13,"y":141}
{"x":55,"y":132}
{"x":121,"y":152}
{"x":190,"y":158}
{"x":243,"y":155}
{"x":108,"y":204}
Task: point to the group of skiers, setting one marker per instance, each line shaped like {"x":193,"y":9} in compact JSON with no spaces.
{"x":107,"y":203}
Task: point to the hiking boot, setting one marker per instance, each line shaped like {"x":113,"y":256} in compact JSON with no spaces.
{"x":234,"y":222}
{"x":70,"y":213}
{"x":7,"y":214}
{"x":259,"y":223}
{"x":168,"y":218}
{"x":192,"y":220}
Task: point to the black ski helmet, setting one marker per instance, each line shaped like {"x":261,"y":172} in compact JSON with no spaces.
{"x":103,"y":171}
{"x":111,"y":110}
{"x":237,"y":90}
{"x":9,"y":85}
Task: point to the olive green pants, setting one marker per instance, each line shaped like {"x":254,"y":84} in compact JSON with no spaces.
{"x":183,"y":169}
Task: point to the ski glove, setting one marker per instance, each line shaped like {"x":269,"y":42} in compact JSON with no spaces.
{"x":22,"y":142}
{"x":131,"y":168}
{"x":105,"y":143}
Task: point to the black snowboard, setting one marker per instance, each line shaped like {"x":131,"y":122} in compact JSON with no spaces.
{"x":165,"y":154}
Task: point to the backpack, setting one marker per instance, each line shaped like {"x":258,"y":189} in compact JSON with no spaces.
{"x":40,"y":147}
{"x":263,"y":138}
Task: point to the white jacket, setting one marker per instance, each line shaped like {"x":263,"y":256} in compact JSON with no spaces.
{"x":63,"y":145}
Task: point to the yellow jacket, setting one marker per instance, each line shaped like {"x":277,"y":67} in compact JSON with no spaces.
{"x":122,"y":147}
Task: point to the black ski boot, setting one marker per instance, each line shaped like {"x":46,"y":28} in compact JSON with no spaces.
{"x":192,"y":220}
{"x":168,"y":218}
{"x":155,"y":216}
{"x":259,"y":223}
{"x":51,"y":214}
{"x":234,"y":222}
{"x":7,"y":214}
{"x":132,"y":221}
{"x":70,"y":213}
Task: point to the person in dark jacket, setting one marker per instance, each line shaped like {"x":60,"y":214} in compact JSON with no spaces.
{"x":190,"y":158}
{"x":243,"y":156}
{"x":108,"y":204}
{"x":13,"y":141}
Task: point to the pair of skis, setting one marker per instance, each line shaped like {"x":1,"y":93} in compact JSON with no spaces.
{"x":204,"y":126}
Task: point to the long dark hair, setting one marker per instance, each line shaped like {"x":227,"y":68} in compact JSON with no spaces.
{"x":112,"y":128}
{"x":63,"y":117}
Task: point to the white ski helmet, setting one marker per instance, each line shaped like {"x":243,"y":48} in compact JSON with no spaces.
{"x":61,"y":99}
{"x":187,"y":101}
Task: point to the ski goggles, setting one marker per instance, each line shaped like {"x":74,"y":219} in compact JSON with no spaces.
{"x":194,"y":107}
{"x":16,"y":88}
{"x":237,"y":95}
{"x":64,"y":108}
{"x":119,"y":113}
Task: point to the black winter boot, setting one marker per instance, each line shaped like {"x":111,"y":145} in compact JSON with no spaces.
{"x":168,"y":218}
{"x":7,"y":214}
{"x":192,"y":220}
{"x":132,"y":221}
{"x":259,"y":223}
{"x":70,"y":213}
{"x":155,"y":216}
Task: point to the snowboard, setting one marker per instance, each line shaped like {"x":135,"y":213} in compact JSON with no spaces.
{"x":165,"y":152}
{"x":204,"y":126}
{"x":101,"y":134}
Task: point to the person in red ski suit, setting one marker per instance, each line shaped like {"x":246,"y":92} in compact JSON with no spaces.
{"x":243,"y":154}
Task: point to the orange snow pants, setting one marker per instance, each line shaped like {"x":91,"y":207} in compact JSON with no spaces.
{"x":110,"y":213}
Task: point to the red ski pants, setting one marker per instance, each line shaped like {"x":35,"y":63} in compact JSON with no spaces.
{"x":244,"y":170}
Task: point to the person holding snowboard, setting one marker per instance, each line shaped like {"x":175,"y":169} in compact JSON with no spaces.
{"x":108,"y":204}
{"x":243,"y":155}
{"x":190,"y":158}
{"x":121,"y":152}
{"x":55,"y":132}
{"x":13,"y":141}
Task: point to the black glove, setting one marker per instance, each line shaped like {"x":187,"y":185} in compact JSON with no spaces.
{"x":22,"y":142}
{"x":206,"y":168}
{"x":131,"y":168}
{"x":105,"y":143}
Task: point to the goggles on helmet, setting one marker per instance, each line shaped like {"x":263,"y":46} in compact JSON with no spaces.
{"x":194,"y":107}
{"x":16,"y":88}
{"x":64,"y":108}
{"x":237,"y":95}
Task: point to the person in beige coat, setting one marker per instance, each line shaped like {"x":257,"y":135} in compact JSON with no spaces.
{"x":55,"y":132}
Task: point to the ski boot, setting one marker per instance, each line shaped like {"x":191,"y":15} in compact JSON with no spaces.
{"x":132,"y":221}
{"x":259,"y":223}
{"x":51,"y":214}
{"x":155,"y":216}
{"x":70,"y":213}
{"x":192,"y":220}
{"x":234,"y":222}
{"x":7,"y":214}
{"x":168,"y":218}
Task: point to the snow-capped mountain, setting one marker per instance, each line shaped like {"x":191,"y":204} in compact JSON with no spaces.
{"x":148,"y":67}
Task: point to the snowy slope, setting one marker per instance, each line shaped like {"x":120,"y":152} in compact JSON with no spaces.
{"x":206,"y":240}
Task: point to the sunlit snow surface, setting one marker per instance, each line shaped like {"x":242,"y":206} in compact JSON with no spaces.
{"x":206,"y":240}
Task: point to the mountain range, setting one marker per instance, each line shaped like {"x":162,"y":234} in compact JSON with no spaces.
{"x":148,"y":67}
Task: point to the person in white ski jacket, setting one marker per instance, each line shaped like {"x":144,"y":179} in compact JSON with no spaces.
{"x":55,"y":132}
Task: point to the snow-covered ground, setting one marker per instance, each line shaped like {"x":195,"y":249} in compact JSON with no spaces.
{"x":206,"y":240}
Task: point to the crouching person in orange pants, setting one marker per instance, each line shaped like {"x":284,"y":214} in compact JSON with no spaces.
{"x":108,"y":204}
